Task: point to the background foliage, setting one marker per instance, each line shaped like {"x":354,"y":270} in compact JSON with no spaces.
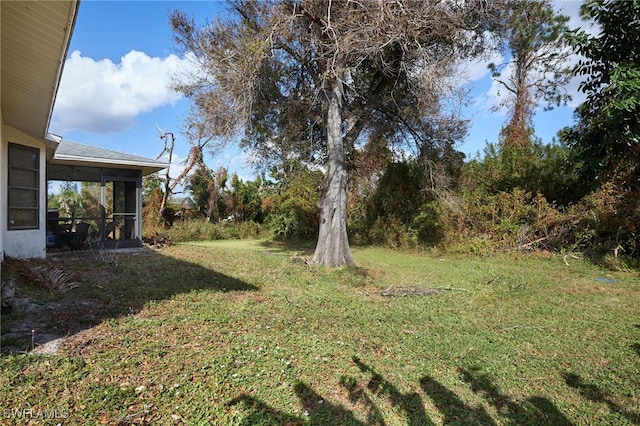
{"x":579,"y":193}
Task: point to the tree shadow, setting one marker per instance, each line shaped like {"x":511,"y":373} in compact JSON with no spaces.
{"x":106,"y":285}
{"x":371,"y":398}
{"x":636,"y":347}
{"x":261,"y":413}
{"x":535,"y":410}
{"x":317,"y":411}
{"x":410,"y":403}
{"x":452,"y":408}
{"x":595,"y":394}
{"x":304,"y":247}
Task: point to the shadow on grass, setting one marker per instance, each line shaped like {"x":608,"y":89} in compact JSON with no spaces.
{"x":300,"y":246}
{"x":636,"y":346}
{"x":317,"y":411}
{"x":595,"y":394}
{"x":410,"y":405}
{"x":110,"y":285}
{"x":535,"y":410}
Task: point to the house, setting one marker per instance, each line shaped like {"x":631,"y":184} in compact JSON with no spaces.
{"x":35,"y":39}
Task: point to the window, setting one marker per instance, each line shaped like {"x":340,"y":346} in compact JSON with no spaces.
{"x":24,"y":187}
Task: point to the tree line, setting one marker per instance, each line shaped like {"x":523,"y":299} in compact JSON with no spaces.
{"x":351,"y":110}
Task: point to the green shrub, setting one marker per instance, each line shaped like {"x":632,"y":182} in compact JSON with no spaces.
{"x":242,"y":230}
{"x":390,"y":232}
{"x":427,"y":224}
{"x":605,"y":224}
{"x":201,"y":230}
{"x":284,"y":225}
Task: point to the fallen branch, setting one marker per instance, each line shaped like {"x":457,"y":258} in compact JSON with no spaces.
{"x":529,"y":244}
{"x":43,"y":274}
{"x":416,"y":291}
{"x":522,"y":327}
{"x":451,"y":289}
{"x":408,"y":291}
{"x":300,"y":259}
{"x":569,"y":255}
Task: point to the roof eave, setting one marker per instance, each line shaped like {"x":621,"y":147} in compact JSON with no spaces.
{"x":71,"y":24}
{"x":51,"y":143}
{"x":62,"y":159}
{"x":70,"y":160}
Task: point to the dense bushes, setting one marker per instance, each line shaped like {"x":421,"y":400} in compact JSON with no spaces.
{"x":201,"y":230}
{"x":502,"y":201}
{"x":286,"y":209}
{"x":510,"y":198}
{"x":401,"y":212}
{"x":542,"y":207}
{"x":291,"y":208}
{"x":530,"y":200}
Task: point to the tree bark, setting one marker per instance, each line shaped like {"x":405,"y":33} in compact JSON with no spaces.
{"x":333,"y":248}
{"x":516,"y":135}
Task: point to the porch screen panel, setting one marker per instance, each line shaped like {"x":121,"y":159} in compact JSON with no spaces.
{"x":24,"y":187}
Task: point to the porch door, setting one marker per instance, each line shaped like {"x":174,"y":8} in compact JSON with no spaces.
{"x":125,"y":228}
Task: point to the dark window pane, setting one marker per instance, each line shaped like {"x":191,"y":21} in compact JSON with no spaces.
{"x":23,"y":157}
{"x":22,"y":218}
{"x":24,"y":178}
{"x":24,"y":187}
{"x":23,"y":198}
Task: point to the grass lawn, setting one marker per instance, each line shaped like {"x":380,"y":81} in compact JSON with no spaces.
{"x":246,"y":333}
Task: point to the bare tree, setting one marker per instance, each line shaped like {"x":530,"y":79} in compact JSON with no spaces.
{"x":169,"y":143}
{"x":316,"y":78}
{"x":196,"y":134}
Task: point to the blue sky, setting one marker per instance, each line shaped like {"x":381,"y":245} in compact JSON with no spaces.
{"x":114,"y":90}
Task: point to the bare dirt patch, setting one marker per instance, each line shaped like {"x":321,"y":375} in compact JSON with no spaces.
{"x":55,"y":299}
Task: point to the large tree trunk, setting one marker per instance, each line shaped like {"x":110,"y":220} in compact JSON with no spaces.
{"x":333,"y":245}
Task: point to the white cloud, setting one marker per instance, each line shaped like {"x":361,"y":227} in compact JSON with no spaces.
{"x":497,"y":94}
{"x":235,"y":161}
{"x":477,"y":69}
{"x":571,"y":8}
{"x":100,"y":96}
{"x":176,"y":167}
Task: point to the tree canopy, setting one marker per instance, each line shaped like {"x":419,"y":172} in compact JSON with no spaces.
{"x":313,"y":80}
{"x":608,"y":129}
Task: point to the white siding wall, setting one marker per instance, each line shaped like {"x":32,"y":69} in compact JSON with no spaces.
{"x":22,"y":243}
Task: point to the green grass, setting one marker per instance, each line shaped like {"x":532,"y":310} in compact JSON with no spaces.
{"x":235,"y":333}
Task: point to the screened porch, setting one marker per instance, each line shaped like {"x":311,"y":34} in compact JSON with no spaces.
{"x":114,"y":194}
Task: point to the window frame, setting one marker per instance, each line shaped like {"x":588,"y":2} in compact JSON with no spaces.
{"x":13,"y":171}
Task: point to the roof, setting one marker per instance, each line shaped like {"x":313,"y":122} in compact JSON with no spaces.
{"x":35,"y":40}
{"x":77,"y":154}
